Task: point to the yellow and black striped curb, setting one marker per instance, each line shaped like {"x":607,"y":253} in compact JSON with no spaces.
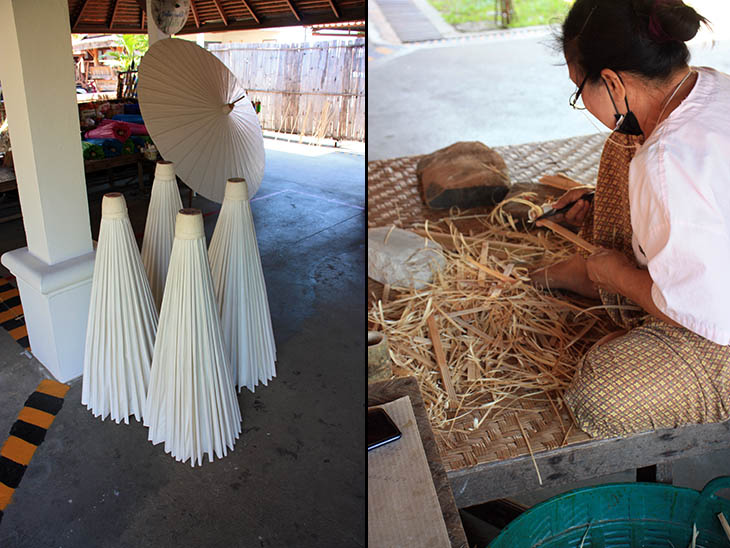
{"x":12,"y":318}
{"x":26,"y":434}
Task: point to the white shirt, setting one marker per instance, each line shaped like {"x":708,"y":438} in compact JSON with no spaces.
{"x":679,"y":193}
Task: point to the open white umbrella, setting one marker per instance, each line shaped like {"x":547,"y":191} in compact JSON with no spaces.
{"x":191,"y":402}
{"x":120,"y":336}
{"x":159,"y":230}
{"x":240,"y":290}
{"x":200,"y":117}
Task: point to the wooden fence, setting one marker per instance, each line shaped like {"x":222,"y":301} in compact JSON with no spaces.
{"x":306,"y":89}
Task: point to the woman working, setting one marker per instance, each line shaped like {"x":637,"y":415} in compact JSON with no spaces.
{"x":661,"y":216}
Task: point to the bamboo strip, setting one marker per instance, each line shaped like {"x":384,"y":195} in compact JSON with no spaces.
{"x":568,"y":235}
{"x":529,"y":448}
{"x":561,"y":181}
{"x":490,"y":271}
{"x":724,"y":523}
{"x":440,"y":357}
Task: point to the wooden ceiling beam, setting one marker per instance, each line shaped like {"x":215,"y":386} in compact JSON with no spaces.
{"x":285,"y":19}
{"x":81,"y":12}
{"x":114,"y":13}
{"x":220,"y":11}
{"x":144,"y":15}
{"x":334,"y":9}
{"x":251,"y":11}
{"x":282,"y":19}
{"x":142,"y":5}
{"x":195,"y":13}
{"x":294,"y":11}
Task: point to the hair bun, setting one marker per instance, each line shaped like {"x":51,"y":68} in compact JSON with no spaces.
{"x":675,"y":21}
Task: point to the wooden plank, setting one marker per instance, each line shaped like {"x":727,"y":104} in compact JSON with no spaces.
{"x":587,"y":460}
{"x":403,"y":505}
{"x":383,"y":392}
{"x":334,"y":8}
{"x":441,"y":358}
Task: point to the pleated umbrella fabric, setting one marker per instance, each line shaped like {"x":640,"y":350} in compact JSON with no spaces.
{"x":191,"y":402}
{"x":122,"y":324}
{"x":200,"y":117}
{"x":159,"y":230}
{"x":240,"y":291}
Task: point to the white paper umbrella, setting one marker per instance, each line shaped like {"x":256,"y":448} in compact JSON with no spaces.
{"x":191,"y":402}
{"x":200,"y":117}
{"x":159,"y":230}
{"x":241,"y":290}
{"x":120,"y":336}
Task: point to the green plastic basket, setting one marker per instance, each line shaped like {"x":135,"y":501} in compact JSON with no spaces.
{"x":625,"y":515}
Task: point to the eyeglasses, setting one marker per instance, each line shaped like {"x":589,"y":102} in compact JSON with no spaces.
{"x":575,"y":97}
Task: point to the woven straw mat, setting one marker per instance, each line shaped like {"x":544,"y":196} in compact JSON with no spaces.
{"x":394,"y":198}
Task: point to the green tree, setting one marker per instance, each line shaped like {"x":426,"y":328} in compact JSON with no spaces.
{"x":133,"y":47}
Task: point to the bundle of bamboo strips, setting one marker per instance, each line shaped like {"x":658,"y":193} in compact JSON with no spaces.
{"x":481,"y":337}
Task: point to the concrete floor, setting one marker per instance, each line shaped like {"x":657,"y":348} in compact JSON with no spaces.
{"x":297,"y":474}
{"x":501,"y":88}
{"x":502,"y":91}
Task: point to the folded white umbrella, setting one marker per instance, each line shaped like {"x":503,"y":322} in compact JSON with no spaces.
{"x":200,"y":117}
{"x":159,"y":230}
{"x":240,"y":290}
{"x":120,"y":335}
{"x":191,"y":402}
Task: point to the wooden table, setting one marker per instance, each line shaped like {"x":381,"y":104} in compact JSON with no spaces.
{"x":649,"y":453}
{"x":92,"y":166}
{"x":386,"y":391}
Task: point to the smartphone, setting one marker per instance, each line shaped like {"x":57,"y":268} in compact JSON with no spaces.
{"x":381,"y":428}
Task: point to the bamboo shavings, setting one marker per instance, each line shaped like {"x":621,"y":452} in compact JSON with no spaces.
{"x":505,"y":340}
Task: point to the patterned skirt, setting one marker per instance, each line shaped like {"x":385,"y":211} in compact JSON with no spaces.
{"x":656,"y":375}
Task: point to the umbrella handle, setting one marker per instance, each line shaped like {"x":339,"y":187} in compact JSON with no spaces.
{"x":236,"y":101}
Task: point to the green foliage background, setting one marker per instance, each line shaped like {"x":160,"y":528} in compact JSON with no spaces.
{"x":134,"y":47}
{"x":526,"y":12}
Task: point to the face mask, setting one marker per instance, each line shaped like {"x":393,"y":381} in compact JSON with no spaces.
{"x":625,"y":123}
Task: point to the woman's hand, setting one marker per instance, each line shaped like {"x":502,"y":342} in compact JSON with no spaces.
{"x":568,"y":274}
{"x":576,"y":214}
{"x":605,"y":268}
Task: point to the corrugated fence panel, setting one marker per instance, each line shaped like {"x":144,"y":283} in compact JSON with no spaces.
{"x":305,"y":89}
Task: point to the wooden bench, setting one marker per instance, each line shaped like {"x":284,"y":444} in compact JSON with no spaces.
{"x":650,"y":454}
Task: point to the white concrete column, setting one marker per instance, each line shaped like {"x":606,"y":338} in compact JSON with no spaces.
{"x":153,"y":30}
{"x":54,"y":272}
